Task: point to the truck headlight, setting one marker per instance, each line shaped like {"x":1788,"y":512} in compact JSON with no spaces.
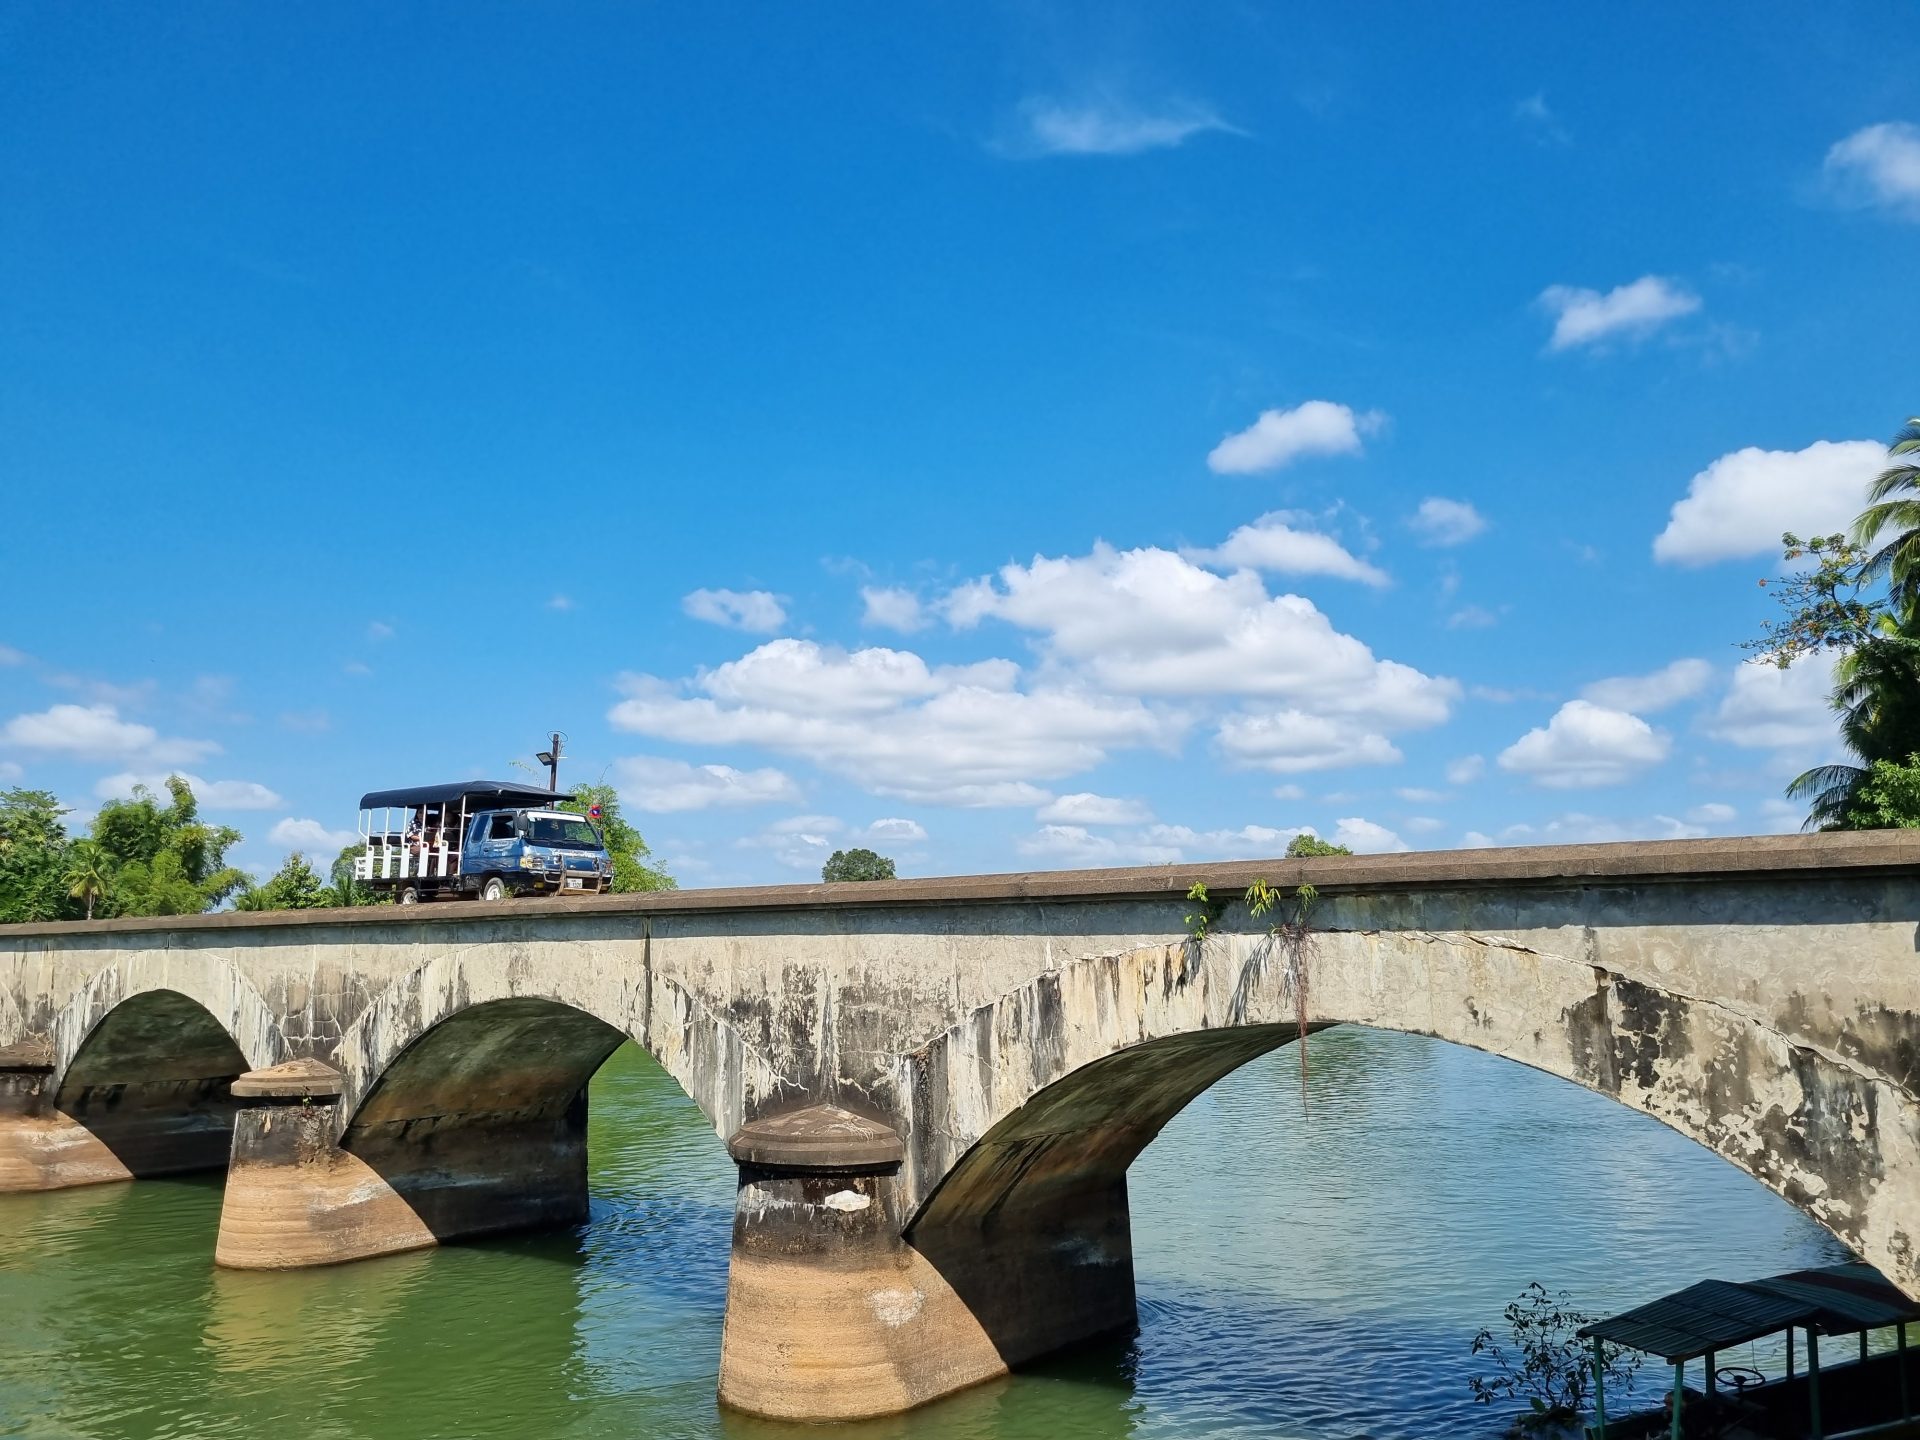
{"x":532,"y":862}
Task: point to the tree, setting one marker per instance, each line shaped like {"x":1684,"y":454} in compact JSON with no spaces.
{"x":1543,"y":1362}
{"x":294,"y":886}
{"x":630,"y":854}
{"x":1893,"y":505}
{"x":1876,"y":693}
{"x":166,"y":862}
{"x":89,"y":874}
{"x":33,"y":858}
{"x":346,"y":889}
{"x":860,"y":864}
{"x":1306,"y":845}
{"x":1887,"y":797}
{"x":1860,"y":599}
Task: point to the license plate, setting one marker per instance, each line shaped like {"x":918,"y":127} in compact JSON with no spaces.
{"x":573,"y":884}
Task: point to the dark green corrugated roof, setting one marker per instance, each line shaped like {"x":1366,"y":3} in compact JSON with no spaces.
{"x":1715,"y":1314}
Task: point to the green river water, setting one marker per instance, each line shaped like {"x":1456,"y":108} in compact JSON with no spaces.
{"x":1313,"y":1278}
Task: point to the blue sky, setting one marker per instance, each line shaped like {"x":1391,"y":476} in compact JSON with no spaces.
{"x":1010,"y":436}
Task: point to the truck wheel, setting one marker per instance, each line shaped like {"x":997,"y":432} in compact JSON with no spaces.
{"x":409,"y":895}
{"x":494,"y":889}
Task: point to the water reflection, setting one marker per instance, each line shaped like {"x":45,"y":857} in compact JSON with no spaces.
{"x":1316,"y":1276}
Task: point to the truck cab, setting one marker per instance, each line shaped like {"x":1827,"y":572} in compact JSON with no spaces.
{"x":484,"y":839}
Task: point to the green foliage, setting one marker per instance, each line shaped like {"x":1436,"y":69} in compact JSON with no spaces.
{"x":164,"y":860}
{"x":89,"y":874}
{"x":1837,"y":605}
{"x":296,"y":885}
{"x":1829,"y":607}
{"x":1200,"y":922}
{"x":34,"y":860}
{"x":344,"y":888}
{"x":631,"y":872}
{"x":1307,"y":845}
{"x":1891,"y":523}
{"x":1887,"y":797}
{"x":1543,"y":1362}
{"x":860,"y":864}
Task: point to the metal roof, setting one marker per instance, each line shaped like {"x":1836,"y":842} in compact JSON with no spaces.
{"x":487,"y":792}
{"x":1716,"y":1314}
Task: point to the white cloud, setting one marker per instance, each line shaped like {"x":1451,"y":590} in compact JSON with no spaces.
{"x":1291,"y":742}
{"x":1076,"y":846}
{"x":1108,"y":127}
{"x":310,"y":836}
{"x":1440,"y":521}
{"x":212,"y":794}
{"x":11,"y":656}
{"x":96,"y":732}
{"x":1669,"y":685}
{"x":1465,"y":770}
{"x":560,"y":602}
{"x":1472,"y":617}
{"x":1363,"y":837}
{"x":1089,"y":809}
{"x":1540,"y":121}
{"x":1419,"y":796}
{"x":1586,"y":744}
{"x":1279,"y":437}
{"x":1879,"y":166}
{"x":894,"y":831}
{"x":1149,"y":622}
{"x":1767,"y":708}
{"x":1578,"y":829}
{"x":379,"y":630}
{"x":892,"y":607}
{"x":1154,"y":845}
{"x":1712,"y":813}
{"x":1271,"y":543}
{"x":1423,"y":824}
{"x":661,"y":786}
{"x":1742,"y":502}
{"x":758,"y":611}
{"x":1632,"y":312}
{"x":884,"y":719}
{"x":801,"y":843}
{"x":1289,"y":792}
{"x":10,"y":771}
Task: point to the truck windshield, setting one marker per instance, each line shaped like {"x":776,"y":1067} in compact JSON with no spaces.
{"x":574,"y":834}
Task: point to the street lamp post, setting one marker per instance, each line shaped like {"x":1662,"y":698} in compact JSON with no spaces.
{"x":551,"y":759}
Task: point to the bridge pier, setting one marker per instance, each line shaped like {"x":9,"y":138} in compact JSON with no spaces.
{"x":830,"y":1315}
{"x":833,"y":1315}
{"x":95,"y":1134}
{"x":300,"y":1193}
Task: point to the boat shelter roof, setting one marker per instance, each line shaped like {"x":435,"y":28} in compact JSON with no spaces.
{"x":1716,"y":1314}
{"x":485,"y":792}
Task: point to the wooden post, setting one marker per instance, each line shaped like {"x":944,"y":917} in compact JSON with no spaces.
{"x":1679,"y":1395}
{"x":1813,"y":1385}
{"x":1900,"y":1347}
{"x":1600,"y":1386}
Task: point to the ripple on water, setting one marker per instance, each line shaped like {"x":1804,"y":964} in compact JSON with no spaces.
{"x":1301,"y":1277}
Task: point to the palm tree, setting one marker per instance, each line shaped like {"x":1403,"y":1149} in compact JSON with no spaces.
{"x":90,"y":873}
{"x":1893,"y":504}
{"x":1876,"y":691}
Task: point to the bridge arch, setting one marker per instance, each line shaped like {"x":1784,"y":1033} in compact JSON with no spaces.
{"x":1058,"y":1086}
{"x":142,"y":1077}
{"x":213,"y":984}
{"x":469,"y":987}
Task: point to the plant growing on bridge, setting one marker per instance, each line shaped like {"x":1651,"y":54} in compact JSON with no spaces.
{"x":1542,"y":1361}
{"x":1291,"y":931}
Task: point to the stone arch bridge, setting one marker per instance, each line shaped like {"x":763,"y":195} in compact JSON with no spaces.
{"x":934,"y":1088}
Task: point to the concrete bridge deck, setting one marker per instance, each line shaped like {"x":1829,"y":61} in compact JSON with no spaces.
{"x":934,"y":1088}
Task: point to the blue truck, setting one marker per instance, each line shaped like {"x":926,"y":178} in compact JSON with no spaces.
{"x":484,"y":839}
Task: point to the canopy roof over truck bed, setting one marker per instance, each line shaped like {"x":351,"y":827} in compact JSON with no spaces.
{"x":482,"y":793}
